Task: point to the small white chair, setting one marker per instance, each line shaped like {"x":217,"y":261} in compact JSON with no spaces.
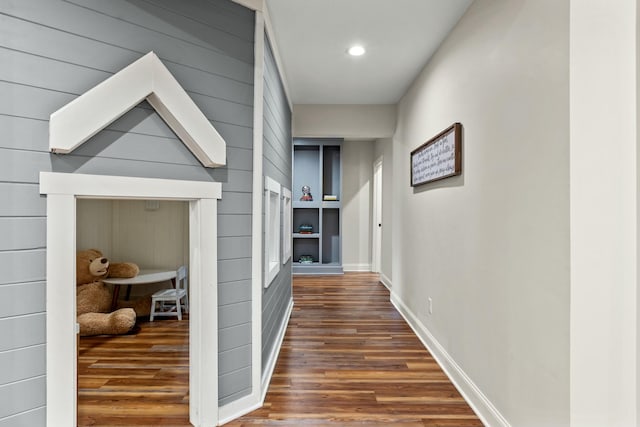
{"x":172,"y":295}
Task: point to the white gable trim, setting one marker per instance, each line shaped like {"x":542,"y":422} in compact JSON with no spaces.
{"x":147,"y":78}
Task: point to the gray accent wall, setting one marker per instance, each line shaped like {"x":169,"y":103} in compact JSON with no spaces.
{"x":51,"y":51}
{"x":277,"y":165}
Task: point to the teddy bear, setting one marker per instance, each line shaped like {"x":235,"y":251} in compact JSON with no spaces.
{"x":93,"y":297}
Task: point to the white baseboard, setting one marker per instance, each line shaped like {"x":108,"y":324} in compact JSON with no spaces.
{"x":255,"y":400}
{"x":482,"y":406}
{"x":275,"y":351}
{"x":385,"y":281}
{"x":356,"y":267}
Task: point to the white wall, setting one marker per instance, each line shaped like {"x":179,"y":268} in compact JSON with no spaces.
{"x":124,"y":230}
{"x":604,"y":188}
{"x":344,"y":121}
{"x":491,"y":247}
{"x":357,"y":177}
{"x":383,"y":148}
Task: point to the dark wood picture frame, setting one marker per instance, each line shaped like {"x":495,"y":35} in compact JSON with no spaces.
{"x":438,"y":158}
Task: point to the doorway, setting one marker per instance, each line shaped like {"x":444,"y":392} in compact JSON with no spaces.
{"x":62,"y":191}
{"x":141,"y":377}
{"x":376,"y":240}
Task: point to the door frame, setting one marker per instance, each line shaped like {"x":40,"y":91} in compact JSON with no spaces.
{"x":62,"y":191}
{"x":376,"y":233}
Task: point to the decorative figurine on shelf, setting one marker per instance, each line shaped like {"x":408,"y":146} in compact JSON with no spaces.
{"x":306,"y":194}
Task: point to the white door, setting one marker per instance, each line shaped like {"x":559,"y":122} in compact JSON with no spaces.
{"x":376,"y":250}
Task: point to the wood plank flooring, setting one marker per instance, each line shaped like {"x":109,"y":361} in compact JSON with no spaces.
{"x":141,"y":379}
{"x":348,"y":359}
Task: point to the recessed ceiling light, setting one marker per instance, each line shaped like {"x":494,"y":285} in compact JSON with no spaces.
{"x":356,"y":50}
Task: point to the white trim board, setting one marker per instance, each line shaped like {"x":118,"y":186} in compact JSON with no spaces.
{"x":482,"y":406}
{"x":386,"y":281}
{"x":147,"y":78}
{"x":62,"y":191}
{"x":275,"y":351}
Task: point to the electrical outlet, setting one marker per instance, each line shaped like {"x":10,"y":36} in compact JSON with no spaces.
{"x":430,"y":307}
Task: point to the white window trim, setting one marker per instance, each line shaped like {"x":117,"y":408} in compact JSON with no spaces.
{"x":62,"y":191}
{"x":286,"y":225}
{"x":272,"y":230}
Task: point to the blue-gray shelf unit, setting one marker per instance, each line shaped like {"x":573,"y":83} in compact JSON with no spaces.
{"x":317,"y":163}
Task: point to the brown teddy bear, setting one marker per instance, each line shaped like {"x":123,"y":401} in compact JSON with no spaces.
{"x":93,"y":298}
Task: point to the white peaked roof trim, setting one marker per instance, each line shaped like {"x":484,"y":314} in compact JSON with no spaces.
{"x":147,"y":78}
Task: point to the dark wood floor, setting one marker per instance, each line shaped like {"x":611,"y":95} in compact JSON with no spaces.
{"x":348,"y":359}
{"x":141,"y":379}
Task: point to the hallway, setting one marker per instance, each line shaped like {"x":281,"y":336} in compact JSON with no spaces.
{"x":348,"y":358}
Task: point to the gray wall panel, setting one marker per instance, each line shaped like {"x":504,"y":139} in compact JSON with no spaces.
{"x":235,"y":359}
{"x":235,"y":396}
{"x":35,"y":417}
{"x":277,"y":165}
{"x":12,"y":165}
{"x":233,"y":337}
{"x":23,"y":133}
{"x":17,"y":100}
{"x":22,"y":233}
{"x":235,"y":247}
{"x":234,"y":292}
{"x":220,"y":15}
{"x":233,"y":314}
{"x":224,"y":111}
{"x":158,"y":18}
{"x":22,"y":298}
{"x":21,"y":331}
{"x":22,"y":396}
{"x":235,"y":203}
{"x":236,"y":181}
{"x":22,"y":266}
{"x":236,"y":381}
{"x":21,"y":200}
{"x":29,"y":72}
{"x":231,"y":225}
{"x":89,"y":24}
{"x":26,"y":362}
{"x":70,"y":163}
{"x":50,"y":42}
{"x":236,"y":136}
{"x":240,"y":158}
{"x":208,"y":46}
{"x":233,"y":270}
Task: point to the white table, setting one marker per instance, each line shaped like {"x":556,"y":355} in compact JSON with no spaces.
{"x":143,"y":278}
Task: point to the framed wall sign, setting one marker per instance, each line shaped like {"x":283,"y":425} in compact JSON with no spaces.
{"x":438,"y":158}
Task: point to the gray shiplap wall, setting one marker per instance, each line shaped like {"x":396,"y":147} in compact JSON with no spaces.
{"x":277,"y":165}
{"x":51,"y":51}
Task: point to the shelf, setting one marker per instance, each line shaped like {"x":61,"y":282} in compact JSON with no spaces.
{"x":318,"y":164}
{"x":297,"y":204}
{"x":306,"y":236}
{"x":332,"y":204}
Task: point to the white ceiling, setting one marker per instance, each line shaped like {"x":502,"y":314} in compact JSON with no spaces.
{"x":399,"y":35}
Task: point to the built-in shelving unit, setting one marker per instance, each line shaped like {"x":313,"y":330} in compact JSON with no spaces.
{"x":317,"y":163}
